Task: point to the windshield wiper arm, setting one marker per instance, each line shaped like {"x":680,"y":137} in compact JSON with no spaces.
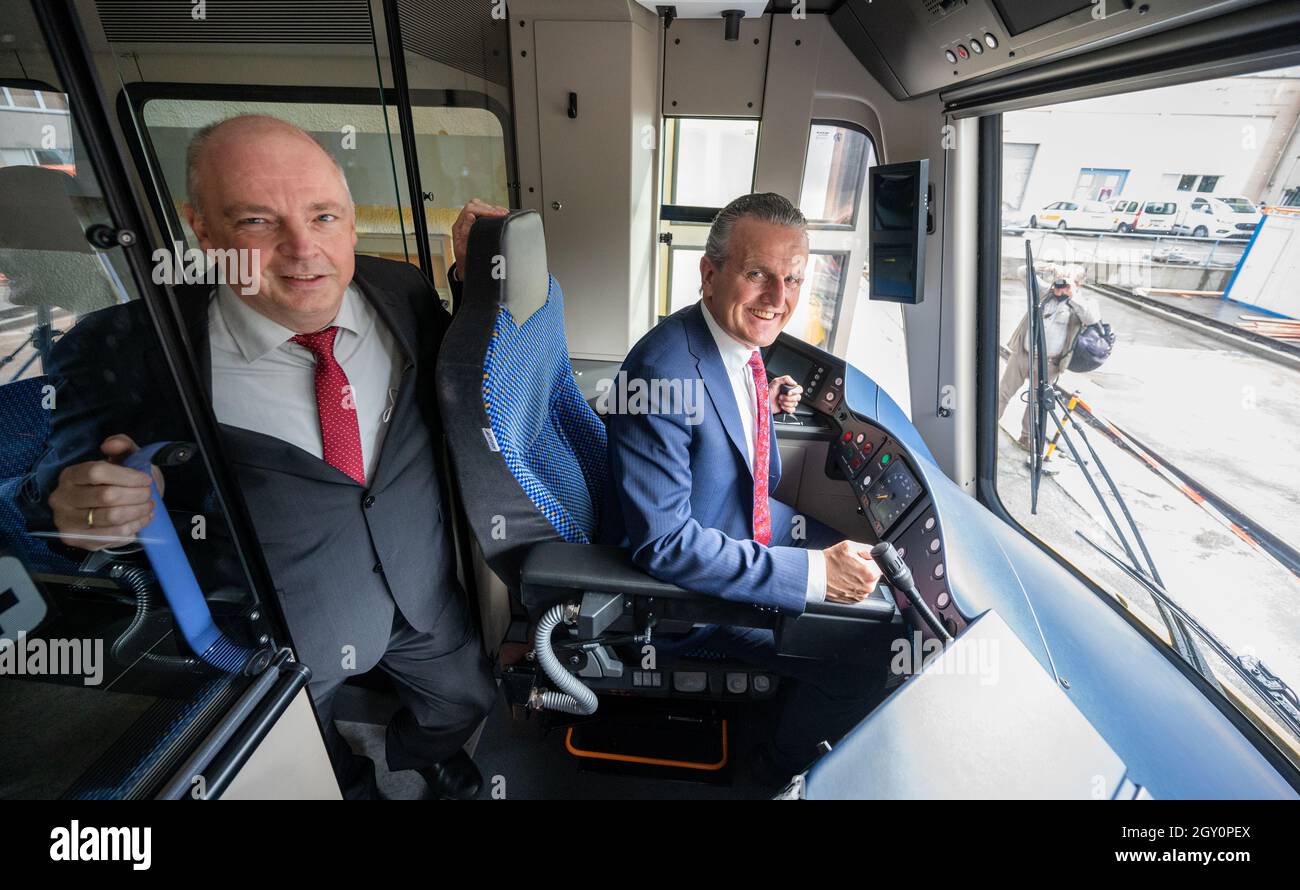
{"x":1275,"y":692}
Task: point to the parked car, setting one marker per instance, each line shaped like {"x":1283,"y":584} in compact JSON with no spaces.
{"x":1159,"y":216}
{"x":1124,"y":214}
{"x":1094,"y":215}
{"x":1211,"y":216}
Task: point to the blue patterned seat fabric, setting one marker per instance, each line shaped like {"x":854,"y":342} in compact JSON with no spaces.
{"x":551,"y":439}
{"x":24,"y":425}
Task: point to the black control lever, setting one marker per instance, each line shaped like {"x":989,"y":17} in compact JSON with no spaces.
{"x":899,"y":577}
{"x":785,"y":388}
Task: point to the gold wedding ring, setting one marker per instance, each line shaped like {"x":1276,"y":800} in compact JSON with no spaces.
{"x":90,"y":518}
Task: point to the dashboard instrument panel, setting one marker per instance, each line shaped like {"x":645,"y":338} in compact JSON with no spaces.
{"x":882,"y":472}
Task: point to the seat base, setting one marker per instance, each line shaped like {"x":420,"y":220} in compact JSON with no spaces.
{"x":681,"y":740}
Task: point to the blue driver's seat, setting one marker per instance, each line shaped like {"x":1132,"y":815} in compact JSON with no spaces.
{"x":528,"y":453}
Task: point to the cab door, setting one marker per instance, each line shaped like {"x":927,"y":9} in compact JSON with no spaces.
{"x":155,"y":666}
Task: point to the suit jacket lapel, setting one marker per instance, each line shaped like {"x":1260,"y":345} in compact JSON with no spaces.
{"x":714,"y":374}
{"x":395,"y":311}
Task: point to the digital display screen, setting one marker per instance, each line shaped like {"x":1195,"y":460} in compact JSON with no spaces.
{"x":786,"y":361}
{"x":893,"y":202}
{"x":1024,"y":15}
{"x":893,"y":271}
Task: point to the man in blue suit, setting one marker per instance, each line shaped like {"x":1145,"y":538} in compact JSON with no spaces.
{"x":691,"y":478}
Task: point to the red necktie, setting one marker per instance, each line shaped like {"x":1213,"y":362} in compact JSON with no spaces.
{"x":762,"y":453}
{"x":335,"y":402}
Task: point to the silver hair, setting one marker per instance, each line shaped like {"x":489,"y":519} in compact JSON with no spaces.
{"x":199,"y":143}
{"x":768,"y":207}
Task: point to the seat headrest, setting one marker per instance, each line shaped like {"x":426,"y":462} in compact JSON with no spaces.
{"x":43,"y":247}
{"x":506,"y":263}
{"x":40,"y":214}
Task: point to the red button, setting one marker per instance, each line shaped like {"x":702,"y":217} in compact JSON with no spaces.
{"x":962,"y":52}
{"x":848,"y":436}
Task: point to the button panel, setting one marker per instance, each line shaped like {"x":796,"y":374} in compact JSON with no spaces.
{"x":821,"y":390}
{"x":922,"y":543}
{"x":969,"y":48}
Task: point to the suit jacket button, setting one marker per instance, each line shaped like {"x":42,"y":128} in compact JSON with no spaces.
{"x":379,"y":567}
{"x":369,"y":501}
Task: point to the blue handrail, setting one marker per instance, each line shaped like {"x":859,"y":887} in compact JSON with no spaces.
{"x":172,"y":569}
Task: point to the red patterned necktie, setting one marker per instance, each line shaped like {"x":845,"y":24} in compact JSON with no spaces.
{"x":339,"y":431}
{"x":762,"y":453}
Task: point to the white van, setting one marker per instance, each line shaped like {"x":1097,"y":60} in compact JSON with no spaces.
{"x":1124,"y":213}
{"x":1210,"y":216}
{"x":1159,"y":216}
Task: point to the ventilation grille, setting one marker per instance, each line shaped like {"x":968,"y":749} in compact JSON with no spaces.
{"x":235,"y":21}
{"x":462,"y":35}
{"x":937,"y":9}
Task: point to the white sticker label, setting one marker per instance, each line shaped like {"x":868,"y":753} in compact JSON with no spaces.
{"x":491,"y":439}
{"x":22,"y":608}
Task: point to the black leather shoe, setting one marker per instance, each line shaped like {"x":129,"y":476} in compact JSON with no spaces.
{"x":456,"y":778}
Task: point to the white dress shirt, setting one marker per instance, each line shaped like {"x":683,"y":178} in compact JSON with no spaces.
{"x":735,"y":358}
{"x":261,"y":381}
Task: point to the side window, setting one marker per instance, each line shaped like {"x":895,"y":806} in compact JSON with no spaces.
{"x":819,"y":305}
{"x":833,"y":176}
{"x":1151,"y":521}
{"x":712,"y":160}
{"x":832,"y":198}
{"x":1017,"y":166}
{"x":834,"y":311}
{"x":707,"y":164}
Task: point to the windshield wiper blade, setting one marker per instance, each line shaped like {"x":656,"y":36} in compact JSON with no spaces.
{"x":1182,"y":639}
{"x":1275,"y":692}
{"x":1037,"y":376}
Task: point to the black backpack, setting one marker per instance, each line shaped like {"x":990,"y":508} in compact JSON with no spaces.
{"x":1092,"y":347}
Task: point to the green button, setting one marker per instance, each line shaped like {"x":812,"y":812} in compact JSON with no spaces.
{"x":884,"y":459}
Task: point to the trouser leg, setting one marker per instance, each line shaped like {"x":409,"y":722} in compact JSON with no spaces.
{"x":1013,"y":377}
{"x":355,"y":773}
{"x":445,"y":684}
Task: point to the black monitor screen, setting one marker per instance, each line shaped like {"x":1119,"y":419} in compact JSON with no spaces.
{"x":786,"y":361}
{"x":893,"y":272}
{"x":1024,"y":15}
{"x":894,"y":202}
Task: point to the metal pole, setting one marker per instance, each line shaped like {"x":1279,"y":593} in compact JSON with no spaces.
{"x":397,"y":61}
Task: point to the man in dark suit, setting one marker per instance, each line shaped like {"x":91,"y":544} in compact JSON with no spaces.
{"x":690,"y":495}
{"x":320,"y":372}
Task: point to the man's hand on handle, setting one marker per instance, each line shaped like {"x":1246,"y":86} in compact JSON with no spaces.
{"x":460,"y":229}
{"x":783,"y":403}
{"x":851,"y":573}
{"x":100,"y":503}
